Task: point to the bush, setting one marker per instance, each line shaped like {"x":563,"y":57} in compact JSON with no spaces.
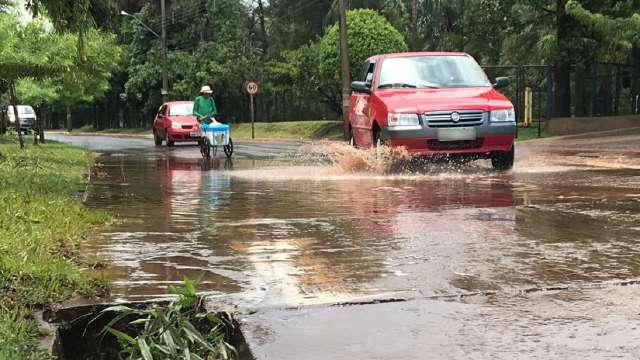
{"x":369,"y":34}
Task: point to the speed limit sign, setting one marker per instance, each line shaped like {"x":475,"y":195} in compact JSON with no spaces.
{"x":252,"y":88}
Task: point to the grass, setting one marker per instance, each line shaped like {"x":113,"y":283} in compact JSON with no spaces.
{"x":294,"y":130}
{"x":300,"y":130}
{"x":134,"y":131}
{"x":528,"y":133}
{"x":41,"y":225}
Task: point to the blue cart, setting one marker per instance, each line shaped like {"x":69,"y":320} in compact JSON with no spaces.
{"x":214,"y":135}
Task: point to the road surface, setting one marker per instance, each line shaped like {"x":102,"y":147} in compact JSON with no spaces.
{"x":323,"y":262}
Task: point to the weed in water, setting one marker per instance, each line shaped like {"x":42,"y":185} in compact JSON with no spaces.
{"x":178,"y":331}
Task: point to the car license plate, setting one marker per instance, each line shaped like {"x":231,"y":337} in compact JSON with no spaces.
{"x":457,"y":134}
{"x":195,"y":134}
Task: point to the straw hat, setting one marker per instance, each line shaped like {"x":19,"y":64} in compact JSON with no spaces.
{"x":206,"y":90}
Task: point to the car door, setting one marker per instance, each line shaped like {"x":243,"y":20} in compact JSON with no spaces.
{"x":361,"y":110}
{"x":161,"y":120}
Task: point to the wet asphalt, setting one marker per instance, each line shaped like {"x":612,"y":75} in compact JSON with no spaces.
{"x":451,"y":262}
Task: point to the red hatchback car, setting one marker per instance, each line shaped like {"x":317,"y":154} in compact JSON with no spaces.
{"x":175,"y":122}
{"x":433,"y":104}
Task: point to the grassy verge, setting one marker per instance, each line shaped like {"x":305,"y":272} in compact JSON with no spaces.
{"x":529,"y":133}
{"x":294,"y":130}
{"x":132,"y":131}
{"x":301,"y":130}
{"x":41,"y":224}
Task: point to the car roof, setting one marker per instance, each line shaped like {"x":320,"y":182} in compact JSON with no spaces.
{"x":418,"y":53}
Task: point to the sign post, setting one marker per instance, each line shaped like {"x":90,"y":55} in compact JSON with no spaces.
{"x":252,"y":89}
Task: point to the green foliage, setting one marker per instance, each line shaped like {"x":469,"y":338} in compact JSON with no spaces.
{"x":46,"y":62}
{"x":179,"y":331}
{"x":221,"y":56}
{"x":88,"y":81}
{"x":369,"y":34}
{"x":18,"y":336}
{"x":38,"y":93}
{"x":41,"y":225}
{"x":625,"y":31}
{"x":29,"y":50}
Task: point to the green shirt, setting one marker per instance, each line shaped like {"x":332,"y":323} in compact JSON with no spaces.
{"x":204,"y":107}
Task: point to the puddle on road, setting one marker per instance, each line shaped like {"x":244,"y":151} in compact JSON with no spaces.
{"x":274,"y":233}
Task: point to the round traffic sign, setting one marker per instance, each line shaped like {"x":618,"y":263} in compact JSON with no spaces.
{"x":252,"y":88}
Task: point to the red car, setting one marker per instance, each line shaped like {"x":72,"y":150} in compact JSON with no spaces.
{"x":433,"y":104}
{"x":175,"y":122}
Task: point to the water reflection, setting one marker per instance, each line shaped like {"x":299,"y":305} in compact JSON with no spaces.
{"x":258,"y":239}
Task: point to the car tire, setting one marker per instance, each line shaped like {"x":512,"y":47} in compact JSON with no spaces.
{"x":503,"y":160}
{"x":167,"y":139}
{"x":377,"y":136}
{"x":156,"y":138}
{"x":352,"y":139}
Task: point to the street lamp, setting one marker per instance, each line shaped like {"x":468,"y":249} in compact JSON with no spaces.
{"x":163,"y":41}
{"x":124,"y":13}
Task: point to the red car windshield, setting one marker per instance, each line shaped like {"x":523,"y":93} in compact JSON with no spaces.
{"x":181,"y":110}
{"x":431,"y":72}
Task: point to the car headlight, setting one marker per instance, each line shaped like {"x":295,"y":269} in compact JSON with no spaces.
{"x":503,"y":115}
{"x":176,"y":125}
{"x":396,"y":119}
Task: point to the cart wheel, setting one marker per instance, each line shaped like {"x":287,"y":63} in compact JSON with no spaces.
{"x":205,"y":148}
{"x":228,"y":149}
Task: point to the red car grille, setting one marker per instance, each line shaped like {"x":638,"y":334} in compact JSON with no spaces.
{"x":187,"y":127}
{"x":454,"y":145}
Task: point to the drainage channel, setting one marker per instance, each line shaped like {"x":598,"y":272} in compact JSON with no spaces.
{"x":78,"y":333}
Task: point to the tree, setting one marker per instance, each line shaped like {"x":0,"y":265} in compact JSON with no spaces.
{"x":28,"y":51}
{"x":65,"y":81}
{"x":38,"y":94}
{"x":369,"y":34}
{"x":617,"y":29}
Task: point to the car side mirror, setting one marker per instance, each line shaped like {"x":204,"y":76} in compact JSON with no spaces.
{"x":361,"y":87}
{"x":160,"y":116}
{"x":502,"y":82}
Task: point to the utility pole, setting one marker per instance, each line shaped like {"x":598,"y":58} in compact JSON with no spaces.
{"x":163,"y":39}
{"x":414,"y":25}
{"x":345,"y":71}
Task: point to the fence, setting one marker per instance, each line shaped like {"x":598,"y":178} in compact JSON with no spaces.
{"x":602,"y":89}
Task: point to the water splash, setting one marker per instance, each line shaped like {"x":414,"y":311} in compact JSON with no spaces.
{"x":347,"y":159}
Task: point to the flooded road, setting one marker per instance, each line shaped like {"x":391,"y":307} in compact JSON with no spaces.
{"x":540,"y":261}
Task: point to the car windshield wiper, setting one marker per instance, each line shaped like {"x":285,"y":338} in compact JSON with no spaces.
{"x":429,"y":86}
{"x":397,"y":85}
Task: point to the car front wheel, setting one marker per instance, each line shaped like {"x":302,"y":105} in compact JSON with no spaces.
{"x":352,"y":140}
{"x":377,"y":137}
{"x":156,"y":138}
{"x":170,"y":142}
{"x":503,"y":160}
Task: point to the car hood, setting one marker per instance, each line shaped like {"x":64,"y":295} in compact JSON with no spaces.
{"x":184,"y":120}
{"x":424,"y":100}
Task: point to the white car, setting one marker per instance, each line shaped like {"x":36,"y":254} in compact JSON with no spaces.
{"x":27,"y":117}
